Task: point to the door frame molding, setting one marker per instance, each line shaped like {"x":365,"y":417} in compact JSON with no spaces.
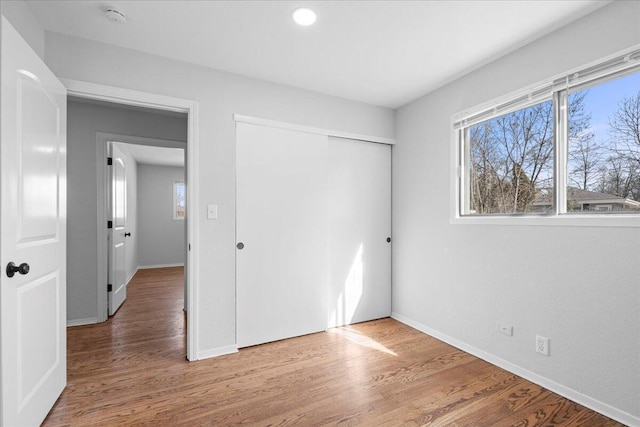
{"x":116,"y":95}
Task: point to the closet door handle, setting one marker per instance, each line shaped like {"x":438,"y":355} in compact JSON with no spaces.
{"x":240,"y":245}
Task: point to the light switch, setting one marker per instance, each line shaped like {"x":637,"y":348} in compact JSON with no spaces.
{"x":212,"y":211}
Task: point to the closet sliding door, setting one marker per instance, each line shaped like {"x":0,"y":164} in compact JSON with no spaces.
{"x":359,"y":191}
{"x":281,"y":228}
{"x":312,"y":222}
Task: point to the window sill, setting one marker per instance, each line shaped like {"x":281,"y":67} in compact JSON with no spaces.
{"x":565,"y":220}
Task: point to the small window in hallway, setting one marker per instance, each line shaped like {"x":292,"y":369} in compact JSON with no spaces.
{"x":178,"y":200}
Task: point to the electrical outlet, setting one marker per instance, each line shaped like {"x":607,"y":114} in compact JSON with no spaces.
{"x":542,"y":345}
{"x":503,"y":328}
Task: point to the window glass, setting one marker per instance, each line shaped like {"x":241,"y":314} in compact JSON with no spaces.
{"x":603,"y":173}
{"x":509,"y":163}
{"x":178,"y":200}
{"x":519,"y":163}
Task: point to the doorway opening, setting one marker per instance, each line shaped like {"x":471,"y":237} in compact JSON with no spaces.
{"x":146,"y":211}
{"x":129,"y":103}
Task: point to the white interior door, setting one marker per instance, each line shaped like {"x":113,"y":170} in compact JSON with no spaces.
{"x":33,"y":228}
{"x":282,"y":232}
{"x":117,"y":276}
{"x":359,"y":191}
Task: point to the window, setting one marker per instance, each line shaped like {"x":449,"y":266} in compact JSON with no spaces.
{"x":604,"y":146}
{"x":568,"y":146}
{"x":179,"y":204}
{"x":508,"y":158}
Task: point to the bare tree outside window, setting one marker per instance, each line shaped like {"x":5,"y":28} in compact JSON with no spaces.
{"x":511,"y":157}
{"x":604,"y":160}
{"x":585,"y":154}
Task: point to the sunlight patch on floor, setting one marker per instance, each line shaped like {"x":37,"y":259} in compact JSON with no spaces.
{"x":361,"y":340}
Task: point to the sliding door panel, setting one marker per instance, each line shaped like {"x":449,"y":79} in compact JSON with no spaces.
{"x":281,"y":231}
{"x":359,"y":200}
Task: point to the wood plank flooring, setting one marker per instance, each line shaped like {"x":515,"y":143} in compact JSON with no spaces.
{"x":132,"y":370}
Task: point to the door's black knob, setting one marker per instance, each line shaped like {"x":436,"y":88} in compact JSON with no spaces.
{"x":240,"y":245}
{"x":127,"y":234}
{"x":12,"y":269}
{"x":388,"y":239}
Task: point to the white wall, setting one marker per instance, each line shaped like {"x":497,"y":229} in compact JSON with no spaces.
{"x":83,"y":121}
{"x":161,"y":238}
{"x":579,"y":286}
{"x":23,"y":20}
{"x":219,"y":95}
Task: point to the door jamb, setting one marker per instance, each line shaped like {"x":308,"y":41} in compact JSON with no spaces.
{"x":123,"y":96}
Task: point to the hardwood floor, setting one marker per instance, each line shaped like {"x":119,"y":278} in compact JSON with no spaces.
{"x":132,"y":370}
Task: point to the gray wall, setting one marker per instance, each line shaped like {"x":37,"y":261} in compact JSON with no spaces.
{"x":161,"y":238}
{"x":219,"y":96}
{"x":579,"y":286}
{"x":83,"y":121}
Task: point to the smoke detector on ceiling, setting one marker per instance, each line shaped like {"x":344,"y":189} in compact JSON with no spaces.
{"x":115,"y":15}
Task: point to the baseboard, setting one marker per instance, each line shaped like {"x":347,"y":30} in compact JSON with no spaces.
{"x":144,"y":267}
{"x":560,"y":389}
{"x":135,"y":270}
{"x":80,"y":322}
{"x":215,"y":352}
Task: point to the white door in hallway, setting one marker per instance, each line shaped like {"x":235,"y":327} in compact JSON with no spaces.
{"x":33,"y":228}
{"x":281,"y":230}
{"x":117,"y":276}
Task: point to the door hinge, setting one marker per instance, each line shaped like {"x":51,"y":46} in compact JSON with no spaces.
{"x":189,"y":246}
{"x":109,"y":161}
{"x":109,"y":224}
{"x":109,"y":287}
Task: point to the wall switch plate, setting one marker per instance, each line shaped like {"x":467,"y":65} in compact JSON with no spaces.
{"x":212,"y":211}
{"x":503,"y":328}
{"x":542,"y":345}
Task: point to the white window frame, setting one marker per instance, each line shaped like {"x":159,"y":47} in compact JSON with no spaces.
{"x":175,"y":200}
{"x":557,"y":89}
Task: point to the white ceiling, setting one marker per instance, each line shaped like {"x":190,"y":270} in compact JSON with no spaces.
{"x":385,"y":53}
{"x":150,"y":155}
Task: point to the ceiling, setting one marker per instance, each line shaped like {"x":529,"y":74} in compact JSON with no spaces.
{"x":150,"y":155}
{"x":384,"y":53}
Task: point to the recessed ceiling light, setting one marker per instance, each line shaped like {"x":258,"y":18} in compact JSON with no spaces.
{"x":304,"y":16}
{"x":115,"y":15}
